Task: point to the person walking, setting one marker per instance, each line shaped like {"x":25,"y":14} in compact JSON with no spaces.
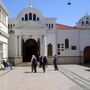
{"x":34,"y":63}
{"x":40,"y":61}
{"x":55,"y":63}
{"x":44,"y":62}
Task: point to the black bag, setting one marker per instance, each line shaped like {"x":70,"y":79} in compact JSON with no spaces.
{"x":34,"y":61}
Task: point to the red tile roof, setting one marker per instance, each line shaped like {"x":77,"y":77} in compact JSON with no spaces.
{"x":61,"y":26}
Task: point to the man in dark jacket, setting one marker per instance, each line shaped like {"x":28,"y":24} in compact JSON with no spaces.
{"x":44,"y":62}
{"x":55,"y":63}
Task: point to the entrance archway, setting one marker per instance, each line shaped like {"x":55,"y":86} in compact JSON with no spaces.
{"x":87,"y":55}
{"x":30,"y":48}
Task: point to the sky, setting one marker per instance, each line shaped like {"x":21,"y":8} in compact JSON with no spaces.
{"x":65,"y":14}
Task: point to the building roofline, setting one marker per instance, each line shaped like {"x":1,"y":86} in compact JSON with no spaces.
{"x":66,"y":27}
{"x":3,"y":6}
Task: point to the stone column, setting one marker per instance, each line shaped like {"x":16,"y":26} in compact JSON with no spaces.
{"x":17,"y":58}
{"x":44,"y":45}
{"x":41,"y":45}
{"x":19,"y":44}
{"x":15,"y":46}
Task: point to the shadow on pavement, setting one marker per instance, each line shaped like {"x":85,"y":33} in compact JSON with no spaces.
{"x":32,"y":72}
{"x":86,"y":65}
{"x":75,"y":88}
{"x":87,"y":70}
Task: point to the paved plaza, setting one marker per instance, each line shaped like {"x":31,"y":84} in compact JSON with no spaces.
{"x":68,"y":77}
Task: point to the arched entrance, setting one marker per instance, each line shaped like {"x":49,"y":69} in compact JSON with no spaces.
{"x":87,"y":55}
{"x":30,"y":47}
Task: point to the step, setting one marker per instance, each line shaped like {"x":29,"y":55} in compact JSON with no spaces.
{"x":24,"y":64}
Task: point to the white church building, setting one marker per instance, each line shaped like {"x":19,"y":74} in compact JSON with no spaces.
{"x":3,"y":32}
{"x":32,"y":33}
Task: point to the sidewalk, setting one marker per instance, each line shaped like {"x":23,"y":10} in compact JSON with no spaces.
{"x":68,"y":77}
{"x":4,"y":72}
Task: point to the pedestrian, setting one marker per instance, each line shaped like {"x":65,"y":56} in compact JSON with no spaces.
{"x":55,"y":63}
{"x":6,"y":64}
{"x":34,"y":63}
{"x":44,"y":63}
{"x":40,"y":61}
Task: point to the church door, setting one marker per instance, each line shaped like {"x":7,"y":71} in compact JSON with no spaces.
{"x":30,"y":48}
{"x":87,"y":55}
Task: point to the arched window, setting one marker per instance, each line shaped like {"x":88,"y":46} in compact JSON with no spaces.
{"x":49,"y":49}
{"x":49,"y":25}
{"x":30,"y":16}
{"x":34,"y":17}
{"x":87,"y":21}
{"x":37,"y":18}
{"x":11,"y":25}
{"x":22,"y":18}
{"x":82,"y":22}
{"x":26,"y":17}
{"x":8,"y":26}
{"x":66,"y":43}
{"x":52,"y":25}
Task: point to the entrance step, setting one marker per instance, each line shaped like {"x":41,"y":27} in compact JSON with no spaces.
{"x":24,"y":64}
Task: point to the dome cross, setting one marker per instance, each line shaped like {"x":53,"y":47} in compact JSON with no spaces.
{"x":30,"y":3}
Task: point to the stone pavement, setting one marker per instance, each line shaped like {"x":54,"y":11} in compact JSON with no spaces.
{"x":68,"y":77}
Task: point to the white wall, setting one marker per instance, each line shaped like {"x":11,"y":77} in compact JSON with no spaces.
{"x":5,"y":51}
{"x":11,"y":45}
{"x":4,"y":28}
{"x":51,"y":39}
{"x":84,"y":39}
{"x":4,"y":31}
{"x":73,"y":36}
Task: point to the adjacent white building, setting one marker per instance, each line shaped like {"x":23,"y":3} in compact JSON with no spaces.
{"x":3,"y":32}
{"x":32,"y":33}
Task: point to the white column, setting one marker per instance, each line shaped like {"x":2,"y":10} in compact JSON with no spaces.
{"x":19,"y":46}
{"x":16,"y":46}
{"x":44,"y":45}
{"x":41,"y":45}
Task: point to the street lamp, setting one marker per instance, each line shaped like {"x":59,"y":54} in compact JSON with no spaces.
{"x":69,"y":2}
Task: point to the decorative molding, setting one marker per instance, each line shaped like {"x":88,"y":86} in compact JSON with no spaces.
{"x":3,"y":23}
{"x":4,"y":34}
{"x":12,"y":31}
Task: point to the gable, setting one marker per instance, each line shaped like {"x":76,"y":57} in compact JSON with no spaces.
{"x":30,"y":24}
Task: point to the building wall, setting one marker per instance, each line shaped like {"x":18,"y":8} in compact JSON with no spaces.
{"x":45,"y":27}
{"x":11,"y":45}
{"x":1,"y":51}
{"x":73,"y":37}
{"x":84,"y":39}
{"x":3,"y":31}
{"x":51,"y":39}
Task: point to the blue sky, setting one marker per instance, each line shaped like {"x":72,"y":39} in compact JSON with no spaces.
{"x":64,"y":13}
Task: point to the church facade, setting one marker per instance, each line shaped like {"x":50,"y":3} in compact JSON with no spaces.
{"x":32,"y":33}
{"x":3,"y":32}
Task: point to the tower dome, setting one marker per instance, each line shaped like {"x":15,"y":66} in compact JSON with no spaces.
{"x":30,"y":13}
{"x":84,"y":21}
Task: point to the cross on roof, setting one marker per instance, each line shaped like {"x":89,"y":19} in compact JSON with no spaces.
{"x":30,"y":3}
